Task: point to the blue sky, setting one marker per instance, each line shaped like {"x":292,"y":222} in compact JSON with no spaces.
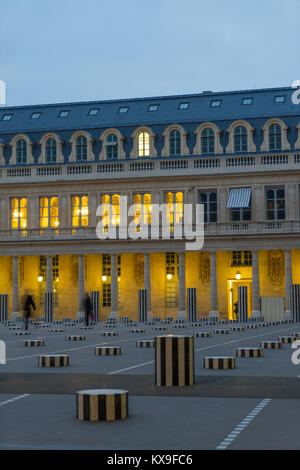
{"x":75,"y":50}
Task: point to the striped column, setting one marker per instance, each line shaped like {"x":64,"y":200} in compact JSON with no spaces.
{"x":213,"y":287}
{"x":174,"y":361}
{"x":80,"y":312}
{"x":255,"y":286}
{"x":181,"y":315}
{"x":3,"y":307}
{"x":243,"y":303}
{"x":49,"y":276}
{"x":142,"y":305}
{"x":288,"y":283}
{"x":96,"y":306}
{"x":15,"y":289}
{"x":49,"y":307}
{"x":191,"y":304}
{"x":295,"y":302}
{"x":147,"y":283}
{"x":101,"y":405}
{"x":114,"y":288}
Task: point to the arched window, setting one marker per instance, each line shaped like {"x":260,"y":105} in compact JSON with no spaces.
{"x":275,"y":137}
{"x":143,"y":144}
{"x":175,"y":142}
{"x":81,"y":148}
{"x":21,"y":151}
{"x":240,"y":139}
{"x":51,"y":150}
{"x":207,"y":140}
{"x":111,"y":144}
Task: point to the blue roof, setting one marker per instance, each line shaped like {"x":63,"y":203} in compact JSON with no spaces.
{"x":199,"y":110}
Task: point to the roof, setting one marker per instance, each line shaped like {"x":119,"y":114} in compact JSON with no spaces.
{"x":200,"y":109}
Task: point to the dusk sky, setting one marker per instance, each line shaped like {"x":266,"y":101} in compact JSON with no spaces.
{"x":75,"y":50}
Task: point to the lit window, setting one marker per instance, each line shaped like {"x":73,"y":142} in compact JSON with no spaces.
{"x":64,"y":114}
{"x":240,"y":139}
{"x":21,"y":151}
{"x":111,"y":210}
{"x":144,"y":144}
{"x":171,"y":296}
{"x":207,"y":140}
{"x":35,"y":115}
{"x":174,"y":200}
{"x":246,"y":101}
{"x":241,"y":258}
{"x":279,"y":99}
{"x":111,"y":145}
{"x":19,"y":213}
{"x":80,"y":211}
{"x":175,"y":142}
{"x":153,"y":107}
{"x":93,"y":112}
{"x":215,"y":103}
{"x":123,"y":109}
{"x":6,"y":117}
{"x":51,"y":150}
{"x":183,"y":105}
{"x":81,"y":148}
{"x":142,"y":209}
{"x":275,"y":137}
{"x":49,"y":212}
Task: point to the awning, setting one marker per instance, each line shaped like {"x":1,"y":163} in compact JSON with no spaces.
{"x":239,"y":197}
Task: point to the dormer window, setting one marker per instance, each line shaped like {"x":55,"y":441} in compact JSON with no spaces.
{"x":279,"y":99}
{"x":6,"y":117}
{"x":183,"y":106}
{"x":64,"y":114}
{"x":153,"y":107}
{"x":35,"y":115}
{"x":247,"y":101}
{"x":215,"y":103}
{"x":123,"y":109}
{"x":93,"y":112}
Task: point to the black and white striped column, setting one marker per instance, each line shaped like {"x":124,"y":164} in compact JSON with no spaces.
{"x":142,"y":305}
{"x":49,"y":317}
{"x":101,"y":405}
{"x":191,"y":304}
{"x":95,"y":305}
{"x":3,"y":307}
{"x":243,"y":303}
{"x":295,"y":302}
{"x":174,"y":360}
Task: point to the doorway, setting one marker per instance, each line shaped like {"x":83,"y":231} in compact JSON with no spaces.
{"x":233,"y":285}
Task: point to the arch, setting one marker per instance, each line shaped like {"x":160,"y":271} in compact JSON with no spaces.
{"x":265,"y":146}
{"x":217,"y":133}
{"x":250,"y":131}
{"x":89,"y":140}
{"x":120,"y":137}
{"x":165,"y":152}
{"x":59,"y":144}
{"x":135,"y":150}
{"x":13,"y":143}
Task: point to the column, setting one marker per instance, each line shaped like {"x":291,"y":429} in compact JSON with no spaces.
{"x":255,"y":285}
{"x":80,"y":313}
{"x":49,"y":276}
{"x":15,"y":291}
{"x":213,"y":287}
{"x":288,"y":283}
{"x":181,"y":288}
{"x":114,"y":288}
{"x":147,"y":283}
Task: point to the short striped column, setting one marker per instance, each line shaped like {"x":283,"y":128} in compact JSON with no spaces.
{"x":287,"y":339}
{"x":33,"y":342}
{"x":54,"y":360}
{"x":75,"y":338}
{"x":101,"y":405}
{"x":249,"y":352}
{"x":21,"y":333}
{"x":147,"y":343}
{"x":137,"y":330}
{"x":252,"y":326}
{"x":109,"y":333}
{"x":238,"y":328}
{"x":271,"y":344}
{"x":174,"y":360}
{"x":179,"y":325}
{"x":86,"y":328}
{"x":202,"y":334}
{"x":222,"y":331}
{"x":160,"y":328}
{"x":219,"y":362}
{"x":107,"y":351}
{"x":57,"y":330}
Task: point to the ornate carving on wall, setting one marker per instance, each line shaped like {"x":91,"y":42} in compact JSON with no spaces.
{"x":205,"y":268}
{"x":276,"y":266}
{"x":139,"y":269}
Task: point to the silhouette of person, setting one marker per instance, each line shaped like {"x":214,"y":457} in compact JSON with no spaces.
{"x":87,"y":308}
{"x":27,"y":309}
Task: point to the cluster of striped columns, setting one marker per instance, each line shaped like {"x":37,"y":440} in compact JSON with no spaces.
{"x":174,"y":360}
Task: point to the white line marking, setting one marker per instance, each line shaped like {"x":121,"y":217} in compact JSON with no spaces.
{"x":14,"y":399}
{"x":131,"y":367}
{"x":243,"y":424}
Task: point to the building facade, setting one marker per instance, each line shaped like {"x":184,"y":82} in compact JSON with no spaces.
{"x":237,"y":153}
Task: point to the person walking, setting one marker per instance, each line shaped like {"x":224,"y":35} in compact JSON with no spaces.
{"x":87,"y":308}
{"x":27,"y":309}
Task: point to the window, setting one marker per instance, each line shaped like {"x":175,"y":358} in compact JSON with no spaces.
{"x":275,"y":202}
{"x":106,"y":279}
{"x":279,"y":99}
{"x":240,"y":139}
{"x":275,"y":137}
{"x":6,"y":117}
{"x":207,"y":140}
{"x":111,"y":145}
{"x":81,"y":148}
{"x":142,"y":209}
{"x":21,"y":151}
{"x":63,"y":114}
{"x":171,"y":280}
{"x":111,"y":210}
{"x":19,"y":213}
{"x":143,"y":144}
{"x":215,"y":103}
{"x":247,"y":101}
{"x":175,"y":142}
{"x":51,"y":150}
{"x":80,"y":211}
{"x":183,"y":106}
{"x":174,"y":200}
{"x":241,"y":214}
{"x":153,"y":107}
{"x":209,"y":200}
{"x":93,"y":112}
{"x":35,"y":115}
{"x":55,"y":278}
{"x":123,"y":109}
{"x":49,"y":212}
{"x":241,"y":258}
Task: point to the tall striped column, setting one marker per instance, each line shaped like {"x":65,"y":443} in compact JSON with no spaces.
{"x":213,"y":287}
{"x":147,"y":283}
{"x":114,"y":288}
{"x":288,"y":283}
{"x":243,"y":303}
{"x":255,"y":285}
{"x":191,"y":304}
{"x":15,"y":289}
{"x":174,"y":360}
{"x":49,"y":276}
{"x":80,"y":312}
{"x":295,"y":302}
{"x":181,"y":315}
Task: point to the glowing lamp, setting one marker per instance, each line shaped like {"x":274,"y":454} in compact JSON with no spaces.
{"x":104,"y":278}
{"x":169,"y":276}
{"x":238,"y":275}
